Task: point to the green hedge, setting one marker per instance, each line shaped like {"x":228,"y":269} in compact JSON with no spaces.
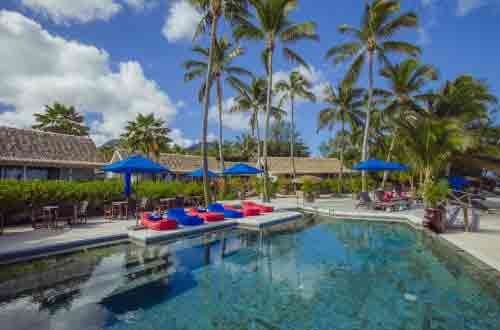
{"x":20,"y":196}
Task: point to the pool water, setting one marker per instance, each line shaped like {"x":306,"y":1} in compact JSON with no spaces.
{"x":323,"y":274}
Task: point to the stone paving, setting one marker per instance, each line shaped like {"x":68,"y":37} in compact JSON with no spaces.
{"x":484,"y":245}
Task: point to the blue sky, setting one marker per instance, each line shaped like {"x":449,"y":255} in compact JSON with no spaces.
{"x":114,"y":58}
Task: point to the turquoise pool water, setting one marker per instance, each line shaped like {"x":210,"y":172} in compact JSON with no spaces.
{"x":325,"y":274}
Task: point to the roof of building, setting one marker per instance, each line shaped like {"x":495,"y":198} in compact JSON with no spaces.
{"x":34,"y":147}
{"x":277,"y":165}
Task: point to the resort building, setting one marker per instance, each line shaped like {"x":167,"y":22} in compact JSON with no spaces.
{"x":278,"y":166}
{"x":27,"y":154}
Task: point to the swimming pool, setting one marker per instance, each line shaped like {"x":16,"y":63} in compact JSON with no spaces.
{"x":323,"y":274}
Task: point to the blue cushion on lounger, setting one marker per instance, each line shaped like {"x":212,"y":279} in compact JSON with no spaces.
{"x":183,"y":219}
{"x":154,"y":217}
{"x":219,"y":208}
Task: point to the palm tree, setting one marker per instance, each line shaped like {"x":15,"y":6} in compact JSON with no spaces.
{"x":252,"y":98}
{"x":345,"y":106}
{"x":373,"y":38}
{"x":59,"y":118}
{"x":273,"y":25}
{"x":224,"y":54}
{"x":404,"y":96}
{"x":146,"y":134}
{"x":212,"y":12}
{"x":294,"y":86}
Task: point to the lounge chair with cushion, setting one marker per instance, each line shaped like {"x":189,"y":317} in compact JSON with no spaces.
{"x":248,"y":211}
{"x":262,"y":208}
{"x":183,"y":218}
{"x":156,"y":222}
{"x":207,"y":216}
{"x":228,"y":213}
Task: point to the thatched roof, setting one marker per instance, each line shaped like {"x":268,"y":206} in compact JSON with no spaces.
{"x":37,"y":148}
{"x":277,"y":165}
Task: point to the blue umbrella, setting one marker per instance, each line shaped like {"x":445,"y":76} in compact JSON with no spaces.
{"x":377,"y":165}
{"x":135,"y":164}
{"x":457,"y":183}
{"x":199,"y":173}
{"x":242,"y":169}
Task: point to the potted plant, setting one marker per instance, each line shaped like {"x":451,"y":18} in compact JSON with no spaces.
{"x":308,"y":190}
{"x":434,"y":194}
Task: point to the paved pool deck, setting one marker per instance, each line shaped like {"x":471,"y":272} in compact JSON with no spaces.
{"x":24,"y":242}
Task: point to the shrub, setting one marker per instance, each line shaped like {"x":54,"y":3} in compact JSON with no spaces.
{"x":436,"y":192}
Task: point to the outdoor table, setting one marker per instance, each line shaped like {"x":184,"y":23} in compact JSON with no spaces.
{"x":122,"y":209}
{"x":51,"y":213}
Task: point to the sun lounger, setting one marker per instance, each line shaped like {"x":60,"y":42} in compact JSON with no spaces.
{"x":247,"y":211}
{"x":183,"y":218}
{"x":207,"y":216}
{"x":159,"y":225}
{"x":228,"y":213}
{"x":260,"y":207}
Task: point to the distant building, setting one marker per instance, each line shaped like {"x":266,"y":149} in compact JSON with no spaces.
{"x":27,"y":154}
{"x":278,"y":166}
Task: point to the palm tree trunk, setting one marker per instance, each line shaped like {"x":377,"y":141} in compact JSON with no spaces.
{"x":206,"y":105}
{"x":257,"y":128}
{"x":342,"y":148}
{"x":292,"y":141}
{"x":219,"y":106}
{"x":267,"y":120}
{"x":364,"y":155}
{"x":389,"y":156}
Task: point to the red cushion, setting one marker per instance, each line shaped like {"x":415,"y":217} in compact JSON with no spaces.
{"x":207,"y":216}
{"x":159,"y":225}
{"x":247,"y":211}
{"x":262,"y":208}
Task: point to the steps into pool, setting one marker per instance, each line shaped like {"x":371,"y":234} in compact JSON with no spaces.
{"x":146,"y":236}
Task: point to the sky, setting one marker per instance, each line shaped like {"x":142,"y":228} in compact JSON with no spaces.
{"x":112,"y":59}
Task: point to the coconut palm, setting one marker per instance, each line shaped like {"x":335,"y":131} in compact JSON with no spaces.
{"x":222,"y":68}
{"x":404,"y":95}
{"x":295,"y":86}
{"x":252,"y":99}
{"x":59,"y":118}
{"x":379,"y":24}
{"x":212,"y":12}
{"x":274,"y":25}
{"x":345,"y":105}
{"x":146,"y":134}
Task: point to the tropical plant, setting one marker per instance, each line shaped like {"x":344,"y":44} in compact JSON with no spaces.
{"x":404,"y":96}
{"x":146,"y":134}
{"x":436,"y":192}
{"x":224,"y":53}
{"x":273,"y":25}
{"x":373,"y":38}
{"x":251,"y":99}
{"x":279,"y":144}
{"x":295,"y":86}
{"x":212,"y":12}
{"x":345,"y":106}
{"x":59,"y":118}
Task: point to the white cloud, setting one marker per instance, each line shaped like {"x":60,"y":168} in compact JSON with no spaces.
{"x":39,"y":68}
{"x":178,"y":138}
{"x":234,"y":121}
{"x":181,"y":21}
{"x":81,"y":11}
{"x":314,"y":75}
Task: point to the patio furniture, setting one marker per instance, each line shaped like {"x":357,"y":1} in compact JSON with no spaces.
{"x":51,"y":215}
{"x":262,"y":208}
{"x":108,"y":211}
{"x":207,"y":216}
{"x":120,"y":210}
{"x":182,"y":218}
{"x":246,"y":210}
{"x":141,"y":208}
{"x":228,"y":213}
{"x":81,"y":214}
{"x":157,"y":225}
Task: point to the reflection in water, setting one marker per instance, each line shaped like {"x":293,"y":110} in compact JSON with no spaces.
{"x":317,"y":274}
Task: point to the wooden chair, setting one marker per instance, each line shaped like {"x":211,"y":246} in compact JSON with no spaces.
{"x":82,"y":212}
